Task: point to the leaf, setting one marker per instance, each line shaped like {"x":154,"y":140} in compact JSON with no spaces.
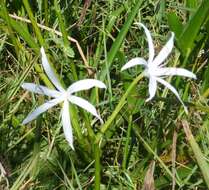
{"x":118,"y":41}
{"x":175,"y":24}
{"x":204,"y":167}
{"x":191,"y":4}
{"x":205,"y":84}
{"x":68,"y":51}
{"x":188,"y":36}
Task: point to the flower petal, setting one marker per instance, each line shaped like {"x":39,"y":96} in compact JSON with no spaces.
{"x":169,"y":86}
{"x":133,"y":62}
{"x":152,"y":88}
{"x":170,"y":71}
{"x":85,"y":105}
{"x":85,"y":85}
{"x":39,"y":89}
{"x":150,"y":43}
{"x":41,"y":109}
{"x":50,"y":73}
{"x":165,"y":51}
{"x":67,"y":128}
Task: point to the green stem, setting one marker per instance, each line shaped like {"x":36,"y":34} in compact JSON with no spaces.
{"x":97,"y":166}
{"x":82,"y":141}
{"x":125,"y":155}
{"x":122,"y":102}
{"x":46,"y":12}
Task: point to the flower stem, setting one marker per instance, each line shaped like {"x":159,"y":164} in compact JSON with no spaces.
{"x":122,"y":102}
{"x":97,"y":166}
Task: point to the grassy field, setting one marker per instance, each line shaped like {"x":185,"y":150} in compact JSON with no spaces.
{"x":142,"y":145}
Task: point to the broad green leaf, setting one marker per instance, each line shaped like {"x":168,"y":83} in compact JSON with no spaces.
{"x":175,"y":24}
{"x":188,"y":36}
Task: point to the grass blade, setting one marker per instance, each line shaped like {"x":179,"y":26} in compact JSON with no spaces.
{"x":33,"y":21}
{"x":121,"y":36}
{"x":187,"y":38}
{"x":204,"y":166}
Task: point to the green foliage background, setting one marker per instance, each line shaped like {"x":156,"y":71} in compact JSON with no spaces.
{"x":135,"y":146}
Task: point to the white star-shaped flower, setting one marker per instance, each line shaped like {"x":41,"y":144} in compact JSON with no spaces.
{"x":154,"y":67}
{"x":61,"y":95}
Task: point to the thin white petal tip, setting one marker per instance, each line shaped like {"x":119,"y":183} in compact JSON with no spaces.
{"x":186,"y":110}
{"x":71,"y":145}
{"x":101,"y":121}
{"x":192,"y":75}
{"x":123,"y":68}
{"x":139,"y":23}
{"x":23,"y":85}
{"x":148,"y":99}
{"x":172,"y":34}
{"x":103,"y":86}
{"x":24,"y":122}
{"x":42,"y":50}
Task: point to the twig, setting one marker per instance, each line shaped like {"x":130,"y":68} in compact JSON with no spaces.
{"x":90,"y":72}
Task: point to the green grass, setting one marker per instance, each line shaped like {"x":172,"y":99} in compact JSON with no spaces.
{"x":137,"y":138}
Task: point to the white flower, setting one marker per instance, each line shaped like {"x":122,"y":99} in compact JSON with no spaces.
{"x":154,"y":67}
{"x":62,"y":95}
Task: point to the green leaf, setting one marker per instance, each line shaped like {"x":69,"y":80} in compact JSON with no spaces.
{"x":175,"y":24}
{"x":204,"y":167}
{"x":33,"y":22}
{"x":118,"y":41}
{"x":205,"y":84}
{"x":188,"y":36}
{"x":68,"y":51}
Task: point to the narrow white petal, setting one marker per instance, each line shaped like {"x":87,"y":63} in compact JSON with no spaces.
{"x":67,"y":128}
{"x":152,"y":88}
{"x":85,"y":85}
{"x":49,"y":71}
{"x":39,"y":89}
{"x":171,"y":71}
{"x":85,"y":105}
{"x":133,"y":62}
{"x":150,"y":43}
{"x":41,"y":109}
{"x":165,"y":51}
{"x":169,"y":86}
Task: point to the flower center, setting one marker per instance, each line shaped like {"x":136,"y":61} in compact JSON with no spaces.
{"x":65,"y":95}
